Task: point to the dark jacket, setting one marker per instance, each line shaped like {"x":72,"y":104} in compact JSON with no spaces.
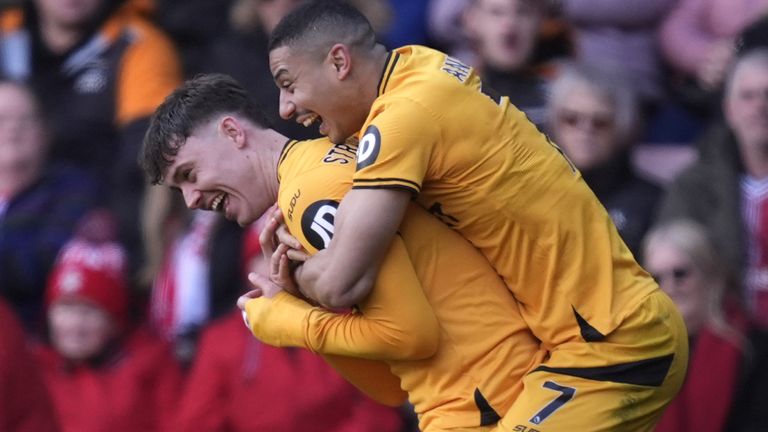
{"x":708,"y":192}
{"x":36,"y":223}
{"x":631,"y":201}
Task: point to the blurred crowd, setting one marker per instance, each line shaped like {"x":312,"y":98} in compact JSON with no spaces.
{"x":117,"y":304}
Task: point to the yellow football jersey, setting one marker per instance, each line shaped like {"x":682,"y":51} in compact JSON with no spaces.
{"x":484,"y":346}
{"x":475,"y":161}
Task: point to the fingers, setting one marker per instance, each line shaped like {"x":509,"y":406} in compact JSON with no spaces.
{"x":252,"y":294}
{"x":267,"y":237}
{"x":285,"y":237}
{"x":277,"y":215}
{"x":297,"y":255}
{"x":274,"y":262}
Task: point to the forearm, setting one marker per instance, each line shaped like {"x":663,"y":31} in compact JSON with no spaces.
{"x":318,"y":281}
{"x":396,"y":322}
{"x":285,"y":321}
{"x":342,"y":275}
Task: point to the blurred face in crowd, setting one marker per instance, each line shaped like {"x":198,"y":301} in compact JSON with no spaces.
{"x":79,"y":329}
{"x":22,"y":140}
{"x":68,"y":13}
{"x":504,"y":31}
{"x":681,"y":280}
{"x":585,"y":127}
{"x":213,"y":172}
{"x":746,"y":106}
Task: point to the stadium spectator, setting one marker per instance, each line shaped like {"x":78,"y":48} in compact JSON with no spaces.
{"x":687,"y":266}
{"x":26,"y":405}
{"x":293,"y":389}
{"x":103,"y":374}
{"x":196,"y":276}
{"x":102,"y":70}
{"x":40,"y":202}
{"x":605,"y":31}
{"x":503,"y":35}
{"x":593,"y":116}
{"x":727,"y":189}
{"x":697,"y":37}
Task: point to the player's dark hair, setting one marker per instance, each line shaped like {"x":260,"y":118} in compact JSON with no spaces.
{"x":323,"y":21}
{"x":197,"y":101}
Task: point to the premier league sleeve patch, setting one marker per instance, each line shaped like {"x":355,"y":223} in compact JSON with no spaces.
{"x":368,"y":148}
{"x":317,"y":223}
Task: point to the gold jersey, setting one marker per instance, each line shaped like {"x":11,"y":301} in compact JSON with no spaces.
{"x":476,"y":162}
{"x":484,"y":347}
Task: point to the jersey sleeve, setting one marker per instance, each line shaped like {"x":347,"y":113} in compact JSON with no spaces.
{"x":396,"y":147}
{"x":396,"y":322}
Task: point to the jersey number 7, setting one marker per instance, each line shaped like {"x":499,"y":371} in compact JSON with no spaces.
{"x":566,"y":394}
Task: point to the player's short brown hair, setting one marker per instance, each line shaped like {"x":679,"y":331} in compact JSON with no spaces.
{"x":197,"y":101}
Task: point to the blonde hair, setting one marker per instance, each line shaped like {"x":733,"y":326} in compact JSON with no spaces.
{"x":693,"y":240}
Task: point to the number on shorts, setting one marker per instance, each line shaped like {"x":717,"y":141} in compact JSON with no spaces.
{"x":566,"y":394}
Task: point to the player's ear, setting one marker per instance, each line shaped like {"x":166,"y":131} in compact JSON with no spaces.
{"x":340,"y":59}
{"x":233,"y":130}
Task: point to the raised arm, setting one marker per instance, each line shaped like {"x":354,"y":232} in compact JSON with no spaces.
{"x":343,"y":274}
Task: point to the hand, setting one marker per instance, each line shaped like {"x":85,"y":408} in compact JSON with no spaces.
{"x":712,"y":72}
{"x":248,"y":296}
{"x":262,"y":285}
{"x":275,"y":232}
{"x":280,"y":271}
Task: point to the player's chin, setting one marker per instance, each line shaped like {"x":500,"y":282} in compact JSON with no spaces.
{"x":337,"y":138}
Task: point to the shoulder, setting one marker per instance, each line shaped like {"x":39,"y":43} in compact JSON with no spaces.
{"x":11,"y":20}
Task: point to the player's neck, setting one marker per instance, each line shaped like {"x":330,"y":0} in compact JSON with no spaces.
{"x":378,"y":56}
{"x":265,"y":146}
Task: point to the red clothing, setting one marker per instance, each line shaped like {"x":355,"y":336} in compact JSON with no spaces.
{"x":704,"y":402}
{"x":135,"y":389}
{"x":240,"y":384}
{"x":25,"y":405}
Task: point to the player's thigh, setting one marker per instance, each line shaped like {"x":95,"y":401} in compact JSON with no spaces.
{"x":561,"y":403}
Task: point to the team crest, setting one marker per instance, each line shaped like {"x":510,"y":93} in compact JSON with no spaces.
{"x":317,"y":223}
{"x":368,"y":148}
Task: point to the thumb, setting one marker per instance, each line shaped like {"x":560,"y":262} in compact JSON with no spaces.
{"x":259,"y":282}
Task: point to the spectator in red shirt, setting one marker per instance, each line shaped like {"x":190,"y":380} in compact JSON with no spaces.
{"x":26,"y":406}
{"x":103,"y":375}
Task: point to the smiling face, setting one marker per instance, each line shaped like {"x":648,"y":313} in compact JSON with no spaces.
{"x":313,"y":91}
{"x":214,"y":171}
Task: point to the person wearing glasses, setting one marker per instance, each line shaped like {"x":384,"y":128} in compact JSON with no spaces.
{"x":594,"y":119}
{"x":685,"y":262}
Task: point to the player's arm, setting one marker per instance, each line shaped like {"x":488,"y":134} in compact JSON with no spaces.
{"x":396,"y":321}
{"x":374,"y":378}
{"x":343,"y":274}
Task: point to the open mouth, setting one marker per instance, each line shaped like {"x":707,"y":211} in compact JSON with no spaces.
{"x":216,"y":205}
